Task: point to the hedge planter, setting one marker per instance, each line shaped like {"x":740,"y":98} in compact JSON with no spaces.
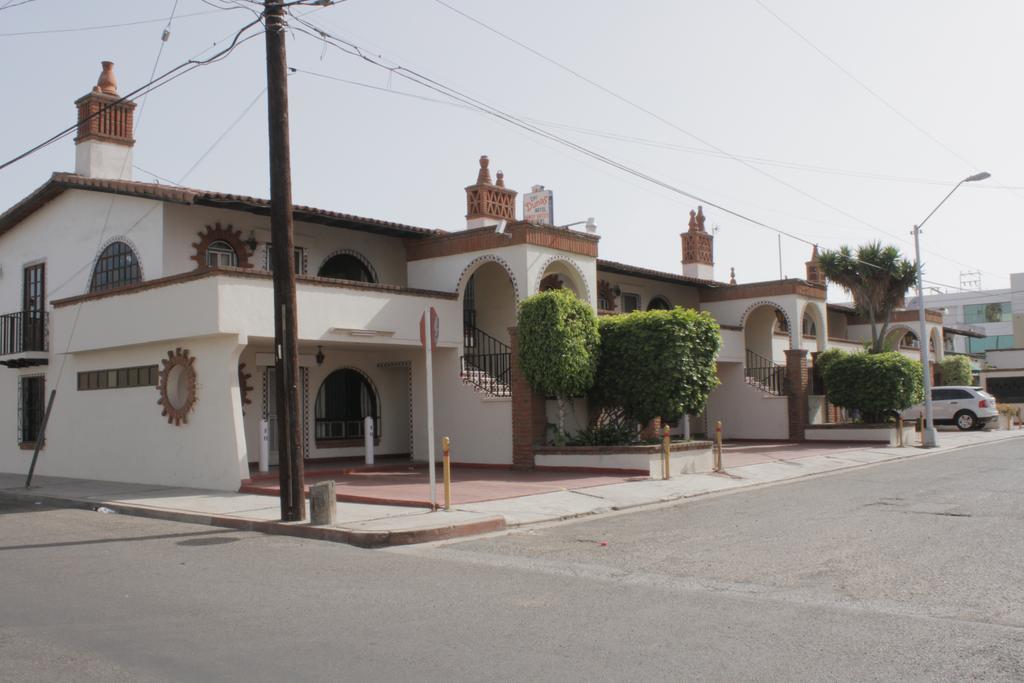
{"x":885,"y":434}
{"x":685,"y":457}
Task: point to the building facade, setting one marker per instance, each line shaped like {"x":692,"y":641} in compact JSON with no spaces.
{"x":146,"y":310}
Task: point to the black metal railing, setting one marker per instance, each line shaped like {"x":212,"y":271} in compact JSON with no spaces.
{"x":344,"y":429}
{"x":23,"y":331}
{"x":765,"y":374}
{"x":487,"y":362}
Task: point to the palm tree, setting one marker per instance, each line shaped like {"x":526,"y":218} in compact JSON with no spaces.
{"x":877,"y":277}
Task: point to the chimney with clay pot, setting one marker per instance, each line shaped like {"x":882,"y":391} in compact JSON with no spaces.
{"x":698,"y":248}
{"x":486,"y":202}
{"x":103,"y":146}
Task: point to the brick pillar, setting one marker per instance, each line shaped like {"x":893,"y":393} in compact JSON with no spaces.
{"x":796,"y":391}
{"x":529,"y":417}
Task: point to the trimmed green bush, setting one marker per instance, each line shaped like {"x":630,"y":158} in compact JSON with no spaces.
{"x":558,"y":346}
{"x":657,"y":363}
{"x":874,"y":384}
{"x":956,"y":371}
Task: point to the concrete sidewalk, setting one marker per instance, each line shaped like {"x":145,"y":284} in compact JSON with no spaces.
{"x":372,"y":526}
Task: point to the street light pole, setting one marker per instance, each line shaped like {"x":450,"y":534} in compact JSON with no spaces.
{"x":928,"y":436}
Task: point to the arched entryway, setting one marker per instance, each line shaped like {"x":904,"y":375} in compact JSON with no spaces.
{"x":489,"y":298}
{"x":343,"y":402}
{"x":767,"y":333}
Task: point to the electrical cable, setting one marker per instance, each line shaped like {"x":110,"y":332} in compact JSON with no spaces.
{"x":404,"y":72}
{"x":101,"y":27}
{"x":665,"y":121}
{"x":161,"y":81}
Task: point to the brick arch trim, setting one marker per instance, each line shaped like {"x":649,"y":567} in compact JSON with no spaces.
{"x":561,"y":259}
{"x":353,"y":253}
{"x":475,"y":264}
{"x":765,"y":302}
{"x":103,"y":247}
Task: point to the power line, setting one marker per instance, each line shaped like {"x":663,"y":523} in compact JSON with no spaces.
{"x":107,"y":26}
{"x":659,"y":144}
{"x":164,"y":79}
{"x":888,"y":105}
{"x":10,"y":4}
{"x":353,"y":49}
{"x":664,"y":120}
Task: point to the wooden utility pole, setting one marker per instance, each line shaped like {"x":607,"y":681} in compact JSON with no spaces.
{"x":286,"y":344}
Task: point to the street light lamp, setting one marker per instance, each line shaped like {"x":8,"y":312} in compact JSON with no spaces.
{"x":928,"y":436}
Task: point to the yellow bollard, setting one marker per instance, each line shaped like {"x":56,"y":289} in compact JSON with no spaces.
{"x":718,"y":446}
{"x":666,"y":442}
{"x":445,"y":443}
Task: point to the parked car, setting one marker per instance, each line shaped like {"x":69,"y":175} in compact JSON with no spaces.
{"x":965,"y":407}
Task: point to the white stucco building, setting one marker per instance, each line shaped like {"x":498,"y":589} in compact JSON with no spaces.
{"x":148,"y":310}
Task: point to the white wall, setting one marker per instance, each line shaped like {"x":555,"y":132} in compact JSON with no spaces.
{"x":186,"y":223}
{"x":675,"y":294}
{"x":480,"y":426}
{"x":239,"y":304}
{"x":120,"y":434}
{"x":746,"y":412}
{"x":68,"y":234}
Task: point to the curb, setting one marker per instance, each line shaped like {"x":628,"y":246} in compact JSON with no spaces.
{"x":683,"y":497}
{"x":356,"y":537}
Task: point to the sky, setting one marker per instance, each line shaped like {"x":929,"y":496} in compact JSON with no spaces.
{"x":834,"y":122}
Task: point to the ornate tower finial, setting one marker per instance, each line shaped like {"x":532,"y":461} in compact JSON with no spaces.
{"x":698,"y":248}
{"x":813,"y":268}
{"x":484,"y":176}
{"x":732,"y":276}
{"x":107,"y":82}
{"x":487,"y":203}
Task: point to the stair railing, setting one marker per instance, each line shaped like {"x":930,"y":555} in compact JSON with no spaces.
{"x":765,"y":374}
{"x":487,"y":362}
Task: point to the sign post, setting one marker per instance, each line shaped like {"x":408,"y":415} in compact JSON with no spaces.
{"x":430,"y":321}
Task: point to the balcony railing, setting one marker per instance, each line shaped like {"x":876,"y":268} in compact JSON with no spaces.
{"x":24,"y":331}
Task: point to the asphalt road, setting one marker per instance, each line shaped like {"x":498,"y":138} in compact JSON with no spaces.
{"x":910,"y":570}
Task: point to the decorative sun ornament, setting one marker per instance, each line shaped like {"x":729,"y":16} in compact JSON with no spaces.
{"x":228,"y":235}
{"x":177,"y":386}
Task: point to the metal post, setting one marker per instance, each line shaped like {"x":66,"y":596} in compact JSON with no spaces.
{"x":899,"y":431}
{"x":666,"y":443}
{"x":686,"y":427}
{"x":368,"y":439}
{"x":40,"y":438}
{"x":928,"y":434}
{"x":718,"y":446}
{"x":428,"y":330}
{"x":445,"y":443}
{"x":286,"y":346}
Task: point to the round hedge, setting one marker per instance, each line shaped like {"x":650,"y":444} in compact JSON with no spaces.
{"x":874,"y":384}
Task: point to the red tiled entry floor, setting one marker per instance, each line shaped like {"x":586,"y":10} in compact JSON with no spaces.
{"x":410,"y":485}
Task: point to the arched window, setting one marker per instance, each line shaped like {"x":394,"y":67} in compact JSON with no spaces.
{"x":346,"y":267}
{"x":220,"y":253}
{"x":117,"y":266}
{"x":659,"y":303}
{"x":344,"y":400}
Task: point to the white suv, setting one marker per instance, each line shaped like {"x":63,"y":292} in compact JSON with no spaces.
{"x":965,"y":407}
